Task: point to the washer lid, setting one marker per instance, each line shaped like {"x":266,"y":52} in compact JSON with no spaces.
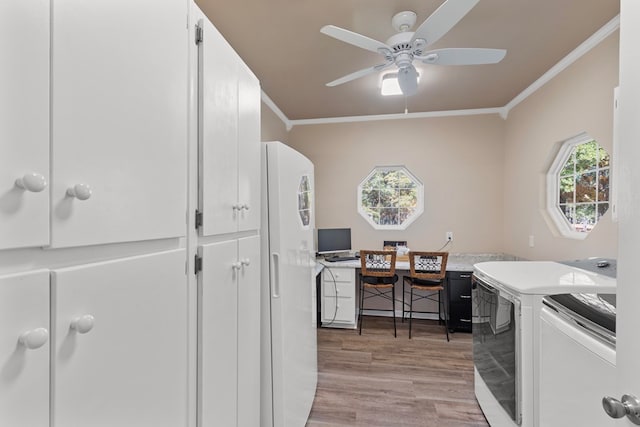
{"x":543,"y":278}
{"x":592,"y":307}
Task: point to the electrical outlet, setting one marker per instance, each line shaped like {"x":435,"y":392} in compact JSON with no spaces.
{"x":449,"y":236}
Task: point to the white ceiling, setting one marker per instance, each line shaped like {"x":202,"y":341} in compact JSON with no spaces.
{"x":281,"y":42}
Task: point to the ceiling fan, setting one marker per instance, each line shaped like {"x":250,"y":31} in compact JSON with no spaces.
{"x":406,"y":46}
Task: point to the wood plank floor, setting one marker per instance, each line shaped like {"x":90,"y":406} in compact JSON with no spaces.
{"x":377,"y":380}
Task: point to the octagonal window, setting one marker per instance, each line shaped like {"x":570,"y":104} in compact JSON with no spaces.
{"x":304,"y":200}
{"x":578,"y":186}
{"x":390,"y":198}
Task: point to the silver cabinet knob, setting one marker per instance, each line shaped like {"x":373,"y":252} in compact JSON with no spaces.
{"x":629,"y":406}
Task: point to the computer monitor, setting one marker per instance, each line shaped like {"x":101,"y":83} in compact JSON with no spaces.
{"x":334,"y":240}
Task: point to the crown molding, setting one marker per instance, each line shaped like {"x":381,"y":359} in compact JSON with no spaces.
{"x":277,"y":111}
{"x":604,"y":32}
{"x":399,"y":116}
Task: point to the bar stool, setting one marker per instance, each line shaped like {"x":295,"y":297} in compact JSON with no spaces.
{"x":426,"y":281}
{"x":377,"y":279}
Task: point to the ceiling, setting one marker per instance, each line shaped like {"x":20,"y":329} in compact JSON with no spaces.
{"x":280,"y":41}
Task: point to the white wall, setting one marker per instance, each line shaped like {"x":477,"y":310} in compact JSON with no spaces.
{"x":458,"y":159}
{"x":580,"y":99}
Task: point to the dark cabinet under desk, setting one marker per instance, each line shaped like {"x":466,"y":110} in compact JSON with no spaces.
{"x":458,"y":300}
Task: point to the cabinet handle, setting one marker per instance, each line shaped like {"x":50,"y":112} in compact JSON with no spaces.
{"x":35,"y":338}
{"x":465,"y":320}
{"x":32,"y":181}
{"x":237,"y":207}
{"x":245,"y":262}
{"x":275,"y":278}
{"x":79,"y":191}
{"x":83,"y":324}
{"x":245,"y":207}
{"x":465,"y":296}
{"x":465,"y":276}
{"x":236,"y":265}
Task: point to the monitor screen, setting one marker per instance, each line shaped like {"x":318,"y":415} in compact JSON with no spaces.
{"x":333,"y":240}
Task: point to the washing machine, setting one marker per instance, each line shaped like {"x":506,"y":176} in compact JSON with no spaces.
{"x":577,"y":355}
{"x":507,"y":314}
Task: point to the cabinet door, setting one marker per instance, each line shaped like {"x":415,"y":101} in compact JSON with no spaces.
{"x":120,"y":343}
{"x":218,"y":122}
{"x":249,"y":332}
{"x":119,"y":101}
{"x":248,"y":149}
{"x":218,"y":334}
{"x":24,"y":366}
{"x":458,"y":297}
{"x":24,"y":122}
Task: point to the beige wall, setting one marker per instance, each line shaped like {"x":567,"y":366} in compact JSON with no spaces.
{"x":484,"y":177}
{"x":580,"y":99}
{"x":272,"y":127}
{"x":459,"y":160}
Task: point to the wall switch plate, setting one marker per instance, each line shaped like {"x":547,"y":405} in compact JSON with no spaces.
{"x":531,"y":241}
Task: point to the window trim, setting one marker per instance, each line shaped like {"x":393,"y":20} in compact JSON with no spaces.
{"x":553,"y":187}
{"x":419,"y":210}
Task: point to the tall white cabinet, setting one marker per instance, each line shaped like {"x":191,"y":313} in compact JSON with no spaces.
{"x":115,"y":127}
{"x":229,"y":134}
{"x":229,"y":236}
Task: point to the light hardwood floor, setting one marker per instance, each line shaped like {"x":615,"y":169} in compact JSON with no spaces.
{"x":377,"y":380}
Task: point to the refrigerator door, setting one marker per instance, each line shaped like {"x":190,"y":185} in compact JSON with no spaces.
{"x":291,"y":260}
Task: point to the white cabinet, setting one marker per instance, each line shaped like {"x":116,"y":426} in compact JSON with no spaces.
{"x":119,"y":127}
{"x":117,"y":137}
{"x":24,"y":349}
{"x":338,"y":303}
{"x":24,"y":123}
{"x":229,"y":355}
{"x":229,"y":137}
{"x":119,"y":337}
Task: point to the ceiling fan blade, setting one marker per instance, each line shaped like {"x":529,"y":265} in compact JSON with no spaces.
{"x":462,"y":56}
{"x":355,"y":39}
{"x":443,"y":19}
{"x":358,"y":74}
{"x":408,"y":80}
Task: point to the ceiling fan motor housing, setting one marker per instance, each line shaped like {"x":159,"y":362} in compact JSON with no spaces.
{"x":403,"y":42}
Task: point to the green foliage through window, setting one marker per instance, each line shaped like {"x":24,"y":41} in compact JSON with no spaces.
{"x":390,"y":196}
{"x":584,"y":186}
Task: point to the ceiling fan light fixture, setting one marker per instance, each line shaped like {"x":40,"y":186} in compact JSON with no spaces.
{"x":390,"y":85}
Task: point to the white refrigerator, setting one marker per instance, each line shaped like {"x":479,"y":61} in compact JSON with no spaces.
{"x":288,"y":344}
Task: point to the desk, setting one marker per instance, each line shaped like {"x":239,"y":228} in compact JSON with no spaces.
{"x":338,"y":291}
